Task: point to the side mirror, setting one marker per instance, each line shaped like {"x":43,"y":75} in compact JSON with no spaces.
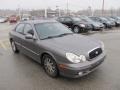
{"x":28,"y":36}
{"x":31,"y":32}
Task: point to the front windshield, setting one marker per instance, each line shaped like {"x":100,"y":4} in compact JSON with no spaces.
{"x":51,"y":29}
{"x":76,"y":19}
{"x":86,"y":19}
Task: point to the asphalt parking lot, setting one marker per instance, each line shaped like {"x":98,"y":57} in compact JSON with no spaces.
{"x":18,"y":72}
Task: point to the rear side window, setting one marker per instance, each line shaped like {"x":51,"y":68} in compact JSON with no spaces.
{"x":20,"y":28}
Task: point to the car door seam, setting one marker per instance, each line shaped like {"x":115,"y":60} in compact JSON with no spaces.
{"x":26,"y":48}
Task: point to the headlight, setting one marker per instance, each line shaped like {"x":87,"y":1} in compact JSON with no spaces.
{"x":118,"y":22}
{"x":74,"y":58}
{"x":103,"y":47}
{"x":82,"y":25}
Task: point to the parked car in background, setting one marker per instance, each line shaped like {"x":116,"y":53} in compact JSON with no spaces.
{"x":103,"y":20}
{"x":96,"y":25}
{"x":117,"y":22}
{"x":3,"y":19}
{"x":59,"y":50}
{"x":111,"y":21}
{"x":75,"y":23}
{"x":117,"y":19}
{"x":13,"y":19}
{"x":26,"y":17}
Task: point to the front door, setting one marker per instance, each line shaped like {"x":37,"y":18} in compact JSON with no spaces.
{"x":30,"y":45}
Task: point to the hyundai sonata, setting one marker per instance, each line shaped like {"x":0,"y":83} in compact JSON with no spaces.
{"x":59,"y":50}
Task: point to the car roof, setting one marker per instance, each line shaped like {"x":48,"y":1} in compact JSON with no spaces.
{"x":38,"y":21}
{"x":66,"y":17}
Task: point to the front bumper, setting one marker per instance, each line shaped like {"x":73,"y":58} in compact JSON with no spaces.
{"x":86,"y":28}
{"x":79,"y":70}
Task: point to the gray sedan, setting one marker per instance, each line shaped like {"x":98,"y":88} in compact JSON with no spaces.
{"x":56,"y":48}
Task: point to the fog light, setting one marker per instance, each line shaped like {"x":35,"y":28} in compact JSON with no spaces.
{"x":62,"y":66}
{"x":80,"y":73}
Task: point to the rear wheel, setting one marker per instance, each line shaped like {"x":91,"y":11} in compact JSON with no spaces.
{"x":14,"y":48}
{"x":50,"y":66}
{"x":76,"y":29}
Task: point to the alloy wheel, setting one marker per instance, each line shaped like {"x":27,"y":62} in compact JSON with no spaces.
{"x":76,"y":29}
{"x":50,"y":66}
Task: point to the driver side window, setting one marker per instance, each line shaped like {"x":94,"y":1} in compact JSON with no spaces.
{"x":20,"y":28}
{"x":28,"y":29}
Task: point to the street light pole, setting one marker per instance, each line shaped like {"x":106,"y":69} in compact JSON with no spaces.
{"x":45,"y":14}
{"x":19,"y":11}
{"x":58,"y":9}
{"x":92,"y":9}
{"x":103,"y":3}
{"x":67,"y":7}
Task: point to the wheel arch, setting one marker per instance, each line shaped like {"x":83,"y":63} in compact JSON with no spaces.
{"x":11,"y":39}
{"x":46,"y":53}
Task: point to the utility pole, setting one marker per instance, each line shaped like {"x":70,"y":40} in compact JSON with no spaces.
{"x":92,"y":9}
{"x":103,"y":3}
{"x":67,"y":8}
{"x":45,"y":14}
{"x":89,"y":11}
{"x":19,"y":12}
{"x":58,"y":9}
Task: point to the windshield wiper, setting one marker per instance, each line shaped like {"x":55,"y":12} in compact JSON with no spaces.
{"x":64,"y":34}
{"x":49,"y":37}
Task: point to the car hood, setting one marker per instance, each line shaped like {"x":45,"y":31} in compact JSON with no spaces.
{"x":77,"y":44}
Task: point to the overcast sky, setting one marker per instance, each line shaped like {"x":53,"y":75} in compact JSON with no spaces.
{"x":73,"y":4}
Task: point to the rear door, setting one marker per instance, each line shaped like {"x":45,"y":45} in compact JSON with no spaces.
{"x":18,"y":35}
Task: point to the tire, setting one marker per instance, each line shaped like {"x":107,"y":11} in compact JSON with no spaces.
{"x":105,"y":25}
{"x":76,"y":29}
{"x":14,"y":48}
{"x":50,"y":66}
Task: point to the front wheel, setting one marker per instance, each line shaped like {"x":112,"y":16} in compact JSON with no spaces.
{"x":76,"y":29}
{"x":50,"y":66}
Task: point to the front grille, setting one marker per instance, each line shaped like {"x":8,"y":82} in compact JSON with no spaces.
{"x":95,"y":53}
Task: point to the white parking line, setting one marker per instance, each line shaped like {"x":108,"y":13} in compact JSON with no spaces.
{"x":3,"y":46}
